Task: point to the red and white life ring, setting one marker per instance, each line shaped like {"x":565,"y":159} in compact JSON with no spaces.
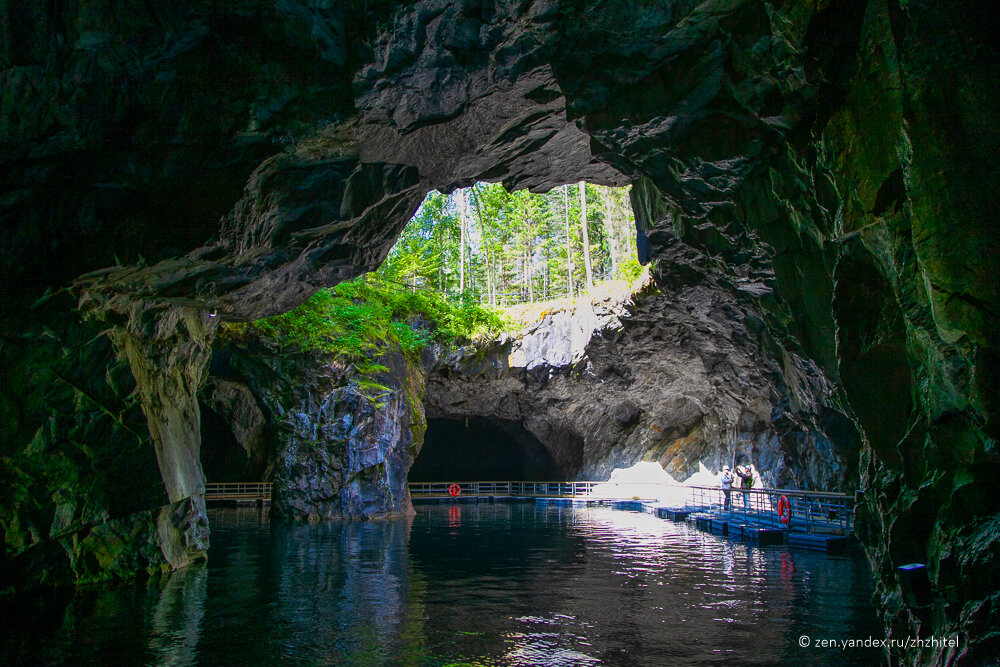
{"x":454,"y":490}
{"x":784,"y":510}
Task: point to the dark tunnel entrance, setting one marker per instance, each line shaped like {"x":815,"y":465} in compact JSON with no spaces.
{"x":223,"y":459}
{"x":480,"y":449}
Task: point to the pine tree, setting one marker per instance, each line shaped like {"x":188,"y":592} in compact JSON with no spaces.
{"x":609,"y":227}
{"x":569,"y":249}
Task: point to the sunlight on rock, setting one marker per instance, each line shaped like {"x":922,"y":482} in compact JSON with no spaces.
{"x":648,"y":480}
{"x":645,"y":480}
{"x":557,"y":332}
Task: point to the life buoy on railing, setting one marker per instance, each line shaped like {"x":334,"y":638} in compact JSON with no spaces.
{"x":784,"y":510}
{"x":454,"y":490}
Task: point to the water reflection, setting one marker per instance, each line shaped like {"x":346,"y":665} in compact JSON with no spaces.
{"x":509,"y":584}
{"x":323,"y":593}
{"x":176,"y":623}
{"x":158,"y":622}
{"x":627,"y":588}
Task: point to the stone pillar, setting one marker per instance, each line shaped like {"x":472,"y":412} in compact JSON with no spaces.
{"x":168,"y":349}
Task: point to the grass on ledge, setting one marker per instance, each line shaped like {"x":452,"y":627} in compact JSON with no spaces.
{"x":366,"y":316}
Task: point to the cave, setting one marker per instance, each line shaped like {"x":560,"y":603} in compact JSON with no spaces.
{"x":481,"y":450}
{"x":811,"y":184}
{"x":222,"y":457}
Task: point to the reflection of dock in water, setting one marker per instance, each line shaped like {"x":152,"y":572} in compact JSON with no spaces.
{"x":808,"y":519}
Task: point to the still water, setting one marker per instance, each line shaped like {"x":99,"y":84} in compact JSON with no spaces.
{"x":468,"y":584}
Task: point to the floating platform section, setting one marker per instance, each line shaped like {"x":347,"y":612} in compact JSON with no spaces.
{"x":757,"y":535}
{"x":672,"y":513}
{"x":733,"y":528}
{"x":701,"y":521}
{"x":563,"y":502}
{"x":719,"y":527}
{"x":818,"y":542}
{"x":447,"y":500}
{"x":629,"y":505}
{"x":498,"y":499}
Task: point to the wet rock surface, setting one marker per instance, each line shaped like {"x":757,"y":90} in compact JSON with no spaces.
{"x":79,"y":472}
{"x":341,"y":441}
{"x":669,"y":376}
{"x":833,"y":161}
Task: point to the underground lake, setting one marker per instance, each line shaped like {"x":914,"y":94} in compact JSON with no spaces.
{"x":513,"y":583}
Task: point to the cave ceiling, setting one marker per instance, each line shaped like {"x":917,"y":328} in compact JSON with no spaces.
{"x":232,"y":161}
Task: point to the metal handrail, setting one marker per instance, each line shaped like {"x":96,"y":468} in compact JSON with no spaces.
{"x":809,"y":510}
{"x":812,"y":511}
{"x":238,"y":491}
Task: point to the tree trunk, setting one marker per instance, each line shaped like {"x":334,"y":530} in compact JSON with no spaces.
{"x":548,"y":272}
{"x":461,"y":243}
{"x":569,"y":250}
{"x":609,"y":226}
{"x":489,"y":274}
{"x":502,"y":285}
{"x":586,"y":235}
{"x":529,"y":270}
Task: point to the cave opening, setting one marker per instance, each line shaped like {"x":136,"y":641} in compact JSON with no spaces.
{"x":482,"y":449}
{"x":223,"y":458}
{"x":506,"y":247}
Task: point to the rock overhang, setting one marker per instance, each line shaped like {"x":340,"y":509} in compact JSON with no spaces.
{"x":423,"y":102}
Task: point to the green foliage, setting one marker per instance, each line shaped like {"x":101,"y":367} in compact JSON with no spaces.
{"x":369,"y":315}
{"x":630,"y":269}
{"x":426,"y":254}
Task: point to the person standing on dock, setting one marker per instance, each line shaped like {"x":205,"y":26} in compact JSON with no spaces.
{"x":727,"y":486}
{"x":745,"y":473}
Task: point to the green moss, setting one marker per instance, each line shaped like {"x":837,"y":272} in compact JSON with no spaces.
{"x":371,"y":385}
{"x":413,"y":386}
{"x":363,"y":317}
{"x":376,"y":393}
{"x":370,"y":368}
